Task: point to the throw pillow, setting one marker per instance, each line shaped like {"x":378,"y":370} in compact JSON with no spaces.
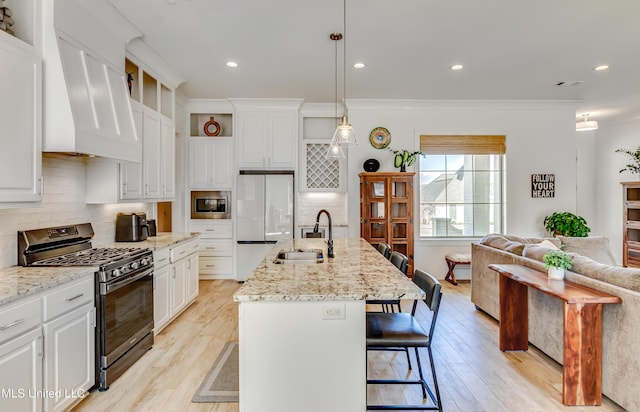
{"x":515,"y":248}
{"x":596,"y":248}
{"x":548,"y":244}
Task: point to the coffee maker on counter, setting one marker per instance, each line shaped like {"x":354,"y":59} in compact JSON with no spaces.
{"x":131,"y":227}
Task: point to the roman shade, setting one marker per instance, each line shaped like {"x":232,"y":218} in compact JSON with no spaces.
{"x":462,"y":144}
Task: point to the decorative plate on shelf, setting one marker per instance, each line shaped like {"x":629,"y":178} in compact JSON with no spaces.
{"x":380,"y":137}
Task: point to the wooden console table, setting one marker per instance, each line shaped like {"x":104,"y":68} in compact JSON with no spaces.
{"x":582,"y":349}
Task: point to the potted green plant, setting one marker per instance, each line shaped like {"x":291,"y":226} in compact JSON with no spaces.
{"x":404,"y":158}
{"x":566,"y":224}
{"x":556,"y":262}
{"x":634,"y":158}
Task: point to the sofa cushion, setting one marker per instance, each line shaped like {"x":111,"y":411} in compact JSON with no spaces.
{"x":628,"y":278}
{"x":516,"y":248}
{"x":596,"y":248}
{"x":535,"y":251}
{"x":514,"y":244}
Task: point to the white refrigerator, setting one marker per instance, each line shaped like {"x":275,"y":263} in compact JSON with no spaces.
{"x":264,"y":215}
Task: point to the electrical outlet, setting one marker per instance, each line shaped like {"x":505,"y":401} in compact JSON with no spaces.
{"x":333,"y":312}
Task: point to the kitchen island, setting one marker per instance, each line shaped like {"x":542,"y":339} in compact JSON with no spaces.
{"x":302,"y":327}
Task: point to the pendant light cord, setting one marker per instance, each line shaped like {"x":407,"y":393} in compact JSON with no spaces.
{"x":344,"y":57}
{"x":336,"y":78}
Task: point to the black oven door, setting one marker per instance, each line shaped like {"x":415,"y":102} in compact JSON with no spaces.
{"x":127,"y":314}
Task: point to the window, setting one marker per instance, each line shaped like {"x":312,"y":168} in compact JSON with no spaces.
{"x":461,"y":182}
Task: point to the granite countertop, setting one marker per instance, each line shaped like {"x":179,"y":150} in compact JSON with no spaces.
{"x":162,"y":240}
{"x":358,"y":272}
{"x":17,"y":282}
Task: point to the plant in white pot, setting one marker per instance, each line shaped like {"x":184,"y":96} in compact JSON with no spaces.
{"x":556,"y":262}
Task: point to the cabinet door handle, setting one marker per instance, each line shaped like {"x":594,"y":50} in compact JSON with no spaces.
{"x":12,"y":324}
{"x":210,"y":230}
{"x":210,"y":247}
{"x":40,"y":185}
{"x":210,"y":266}
{"x":79,"y":295}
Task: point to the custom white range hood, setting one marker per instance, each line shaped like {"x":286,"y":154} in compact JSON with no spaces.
{"x":85,"y":93}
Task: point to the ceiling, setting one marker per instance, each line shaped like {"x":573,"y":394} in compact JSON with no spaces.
{"x":510,"y":49}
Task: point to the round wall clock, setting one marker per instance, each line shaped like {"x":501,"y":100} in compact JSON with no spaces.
{"x":380,"y":137}
{"x":371,"y":165}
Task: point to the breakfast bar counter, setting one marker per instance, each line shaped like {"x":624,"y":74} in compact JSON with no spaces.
{"x":357,"y":272}
{"x":302,"y":327}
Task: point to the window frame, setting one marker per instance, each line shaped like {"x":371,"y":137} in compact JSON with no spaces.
{"x":479,"y":145}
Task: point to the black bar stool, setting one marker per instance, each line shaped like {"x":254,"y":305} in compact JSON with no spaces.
{"x":393,"y":330}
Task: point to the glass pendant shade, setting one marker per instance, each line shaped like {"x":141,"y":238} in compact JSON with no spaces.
{"x":335,"y":151}
{"x":344,"y":134}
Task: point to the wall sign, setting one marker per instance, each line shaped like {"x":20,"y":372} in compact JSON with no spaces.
{"x":543,"y":185}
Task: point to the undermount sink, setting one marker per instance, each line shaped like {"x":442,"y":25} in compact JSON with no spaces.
{"x":299,"y":256}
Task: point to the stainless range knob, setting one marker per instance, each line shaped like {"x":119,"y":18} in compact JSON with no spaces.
{"x":115,"y":273}
{"x":134,"y":265}
{"x":144,"y":261}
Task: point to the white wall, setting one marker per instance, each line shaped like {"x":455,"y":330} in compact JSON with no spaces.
{"x":63,"y":203}
{"x":540,"y":138}
{"x":608,"y":199}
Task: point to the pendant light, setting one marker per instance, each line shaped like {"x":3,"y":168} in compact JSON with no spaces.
{"x":335,"y":149}
{"x":344,"y":134}
{"x":586,"y":124}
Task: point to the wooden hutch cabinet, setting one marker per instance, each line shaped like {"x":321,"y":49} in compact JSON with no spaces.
{"x":631,"y":224}
{"x":386,"y":211}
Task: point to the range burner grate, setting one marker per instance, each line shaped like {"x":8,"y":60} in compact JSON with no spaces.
{"x":90,"y":257}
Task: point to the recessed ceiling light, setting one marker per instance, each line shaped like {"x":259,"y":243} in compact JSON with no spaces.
{"x":358,"y":65}
{"x":232,"y":64}
{"x":456,"y":67}
{"x":601,"y":67}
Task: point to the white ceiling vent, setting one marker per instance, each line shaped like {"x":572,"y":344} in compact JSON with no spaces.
{"x":569,"y":83}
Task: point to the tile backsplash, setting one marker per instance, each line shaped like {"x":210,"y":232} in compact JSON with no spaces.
{"x":63,"y":203}
{"x":309,"y":203}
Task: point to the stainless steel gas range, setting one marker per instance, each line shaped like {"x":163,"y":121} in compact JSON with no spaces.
{"x":123,"y":285}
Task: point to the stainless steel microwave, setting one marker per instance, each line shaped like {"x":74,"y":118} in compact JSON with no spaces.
{"x":211,"y":204}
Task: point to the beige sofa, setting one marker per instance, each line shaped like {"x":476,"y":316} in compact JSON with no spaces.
{"x":593,"y":266}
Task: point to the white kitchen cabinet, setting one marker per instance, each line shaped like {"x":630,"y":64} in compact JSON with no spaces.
{"x":21,"y":372}
{"x":216,"y":248}
{"x":158,"y":156}
{"x":20,"y":121}
{"x":151,"y":156}
{"x":69,"y":334}
{"x":130,"y":177}
{"x":161,"y":289}
{"x":178,"y":286}
{"x":175,"y":281}
{"x":267,"y":139}
{"x":21,"y":354}
{"x":192,"y":276}
{"x":210,"y":162}
{"x":64,"y":365}
{"x":113,"y":181}
{"x":168,"y":159}
{"x":69,"y":367}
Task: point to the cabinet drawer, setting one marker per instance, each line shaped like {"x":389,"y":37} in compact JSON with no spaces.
{"x":19,"y":317}
{"x":215,"y":247}
{"x":67,"y":297}
{"x":184,"y":249}
{"x":212,"y":230}
{"x":160,"y":258}
{"x":215,"y":265}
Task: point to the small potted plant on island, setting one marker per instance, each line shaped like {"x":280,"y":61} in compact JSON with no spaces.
{"x":566,"y":224}
{"x":556,"y":262}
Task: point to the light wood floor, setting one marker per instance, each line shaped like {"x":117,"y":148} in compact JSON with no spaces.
{"x":473,"y":374}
